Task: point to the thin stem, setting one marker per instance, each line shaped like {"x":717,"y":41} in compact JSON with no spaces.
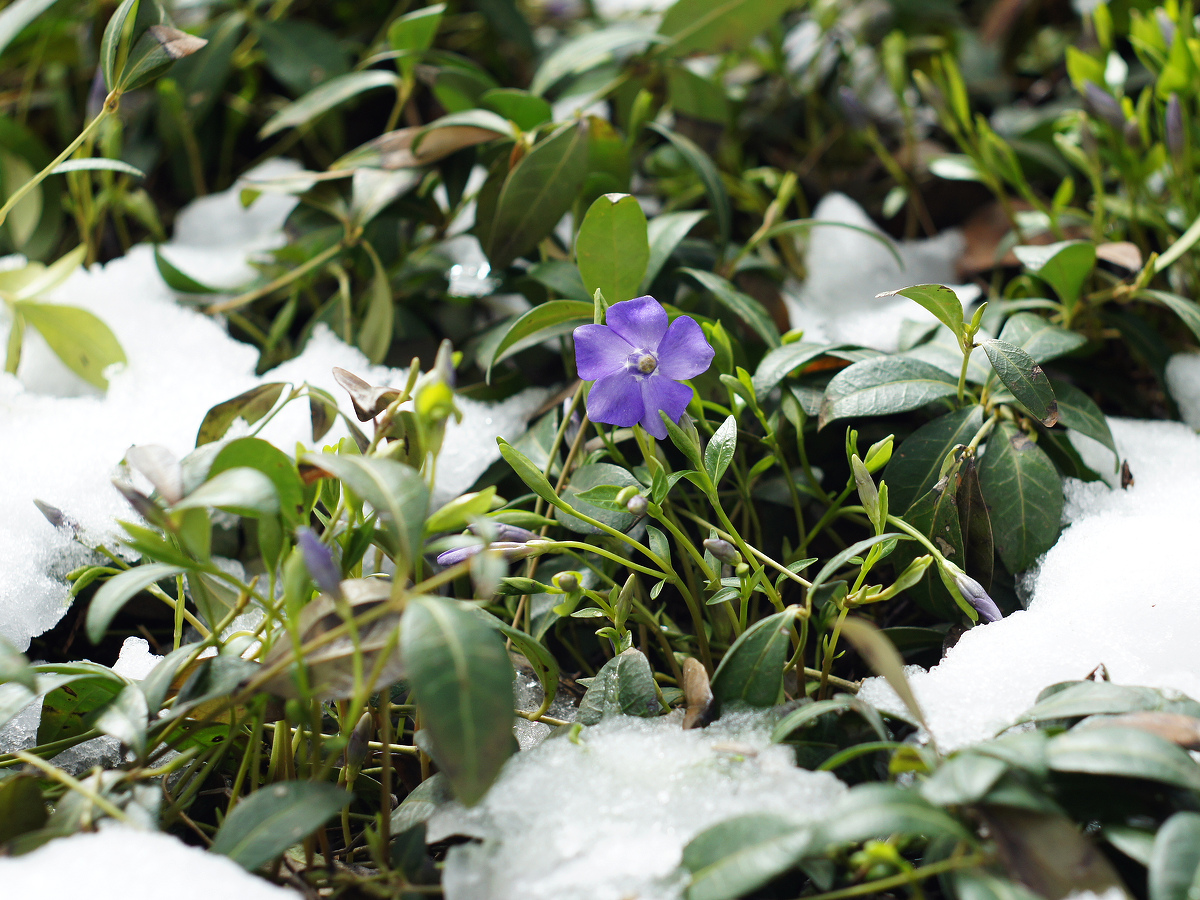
{"x":282,"y":281}
{"x":74,"y":784}
{"x":892,"y":881}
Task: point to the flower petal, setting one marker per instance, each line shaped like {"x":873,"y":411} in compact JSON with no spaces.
{"x":641,"y":321}
{"x":662,"y":393}
{"x":599,"y":351}
{"x":684,"y":352}
{"x":616,"y":399}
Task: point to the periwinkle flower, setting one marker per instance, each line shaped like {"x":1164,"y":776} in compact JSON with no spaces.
{"x":637,"y":362}
{"x":515,"y":543}
{"x":319,"y":561}
{"x":974,"y":594}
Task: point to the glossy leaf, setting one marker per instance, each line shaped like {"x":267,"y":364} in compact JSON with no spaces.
{"x":522,"y":108}
{"x":242,"y":490}
{"x":701,"y":163}
{"x":587,"y":478}
{"x":1064,"y":266}
{"x":249,"y":406}
{"x":939,"y":300}
{"x":1123,"y":753}
{"x":256,"y":453}
{"x":1023,"y":490}
{"x":119,"y":590}
{"x":81,"y":340}
{"x":586,"y":51}
{"x":1037,"y":337}
{"x":551,"y":319}
{"x":881,"y":810}
{"x":68,"y":711}
{"x":736,"y":857}
{"x":916,"y":464}
{"x":1079,"y":412}
{"x":1025,"y":379}
{"x":781,"y":361}
{"x":528,"y":472}
{"x":536,"y":194}
{"x":623,"y":686}
{"x":665,"y":232}
{"x":463,"y":682}
{"x":321,"y":99}
{"x":275,"y":817}
{"x":1174,"y":870}
{"x":719,"y":452}
{"x":413,"y":34}
{"x":936,"y":515}
{"x":751,"y":672}
{"x":882,"y":386}
{"x":111,"y":41}
{"x":741,"y":305}
{"x":612,"y":248}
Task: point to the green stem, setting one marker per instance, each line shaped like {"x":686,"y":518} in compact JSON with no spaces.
{"x":892,"y":881}
{"x":282,"y":281}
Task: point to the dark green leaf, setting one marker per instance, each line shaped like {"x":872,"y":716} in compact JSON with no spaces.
{"x":939,"y":300}
{"x":250,"y":406}
{"x":1123,"y":753}
{"x":710,"y":177}
{"x":22,"y":808}
{"x":1024,"y":493}
{"x":77,"y":337}
{"x":300,"y":54}
{"x":1095,"y":698}
{"x":1025,"y":379}
{"x":157,"y":48}
{"x":242,"y":490}
{"x":1064,"y":266}
{"x":1187,"y":310}
{"x":976,"y":884}
{"x":736,"y":857}
{"x":623,"y":686}
{"x":1079,"y":412}
{"x":463,"y":683}
{"x":536,"y":194}
{"x":781,"y":361}
{"x":542,"y":660}
{"x":256,"y":453}
{"x":751,"y":672}
{"x":587,"y":51}
{"x":325,"y":97}
{"x":591,"y":476}
{"x":546,"y":320}
{"x":964,"y":778}
{"x":741,"y":305}
{"x":1039,"y":338}
{"x":612,"y":248}
{"x":375,"y":332}
{"x":177,"y":280}
{"x":882,"y":386}
{"x":275,"y":817}
{"x":110,"y":43}
{"x":119,"y":590}
{"x":67,"y":710}
{"x":664,"y":233}
{"x":936,"y":515}
{"x":881,"y":810}
{"x":850,"y":552}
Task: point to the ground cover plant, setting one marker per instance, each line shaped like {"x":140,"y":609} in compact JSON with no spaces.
{"x":727,"y":505}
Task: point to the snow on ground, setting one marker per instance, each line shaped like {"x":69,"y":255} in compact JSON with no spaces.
{"x":1117,"y":589}
{"x":61,"y":440}
{"x":608,"y":817}
{"x":120,"y":863}
{"x":847,"y":268}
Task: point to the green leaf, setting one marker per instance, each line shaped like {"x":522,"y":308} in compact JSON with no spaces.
{"x":1025,"y":379}
{"x":325,"y":97}
{"x":664,"y":233}
{"x":119,"y":590}
{"x":1024,"y":493}
{"x":884,"y":385}
{"x":964,"y":778}
{"x":742,"y":305}
{"x":256,"y":453}
{"x":916,"y":464}
{"x":542,"y":660}
{"x":14,"y":667}
{"x":1064,"y":266}
{"x":881,"y":655}
{"x":177,"y":280}
{"x":375,"y":332}
{"x":78,"y":338}
{"x":936,"y":515}
{"x":276,"y":817}
{"x":250,"y":406}
{"x":13,"y":20}
{"x":1187,"y":310}
{"x":1078,"y":411}
{"x":710,"y":177}
{"x":522,"y":108}
{"x":537,"y":193}
{"x":551,"y":319}
{"x":591,"y":476}
{"x":299,"y":54}
{"x":396,"y":491}
{"x":718,"y":26}
{"x":976,"y":884}
{"x":1123,"y":753}
{"x":528,"y":472}
{"x":751,"y":672}
{"x":852,"y":551}
{"x":126,"y":718}
{"x":587,"y":51}
{"x":22,"y":807}
{"x":781,"y":361}
{"x":719,"y":452}
{"x":623,"y":686}
{"x":463,"y":683}
{"x":111,"y":41}
{"x":612,"y":248}
{"x":67,"y":711}
{"x":241,"y":490}
{"x":156,"y":50}
{"x":1078,"y":699}
{"x":413,"y":34}
{"x":1174,"y":870}
{"x":939,"y":300}
{"x":882,"y":810}
{"x":1039,"y":338}
{"x":736,"y":857}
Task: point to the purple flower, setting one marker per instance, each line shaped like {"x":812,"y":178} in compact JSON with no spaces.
{"x":319,"y":560}
{"x":637,"y":362}
{"x":974,"y":594}
{"x":510,"y":550}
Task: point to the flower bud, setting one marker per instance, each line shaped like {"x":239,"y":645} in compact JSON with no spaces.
{"x":723,"y":551}
{"x":1166,"y":25}
{"x":853,"y":111}
{"x":1174,"y":129}
{"x":318,"y":559}
{"x":360,"y":737}
{"x":879,"y":453}
{"x":627,"y":493}
{"x":1102,"y":104}
{"x":567,"y":582}
{"x":637,"y":505}
{"x":973,"y":592}
{"x":505,"y":532}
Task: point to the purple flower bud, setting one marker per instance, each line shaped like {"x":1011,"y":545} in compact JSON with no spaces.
{"x":723,"y":551}
{"x":1175,"y":135}
{"x":360,"y":737}
{"x":638,"y":363}
{"x":509,"y":549}
{"x":318,"y":559}
{"x":505,"y":532}
{"x":637,"y":505}
{"x":974,"y":594}
{"x":852,"y":109}
{"x":1103,"y":104}
{"x":1166,"y":26}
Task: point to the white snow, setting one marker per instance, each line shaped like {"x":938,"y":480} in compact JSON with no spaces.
{"x":136,"y":660}
{"x":1183,"y":381}
{"x":847,"y":268}
{"x":120,"y":863}
{"x":61,"y":440}
{"x":608,"y":818}
{"x":1117,"y":589}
